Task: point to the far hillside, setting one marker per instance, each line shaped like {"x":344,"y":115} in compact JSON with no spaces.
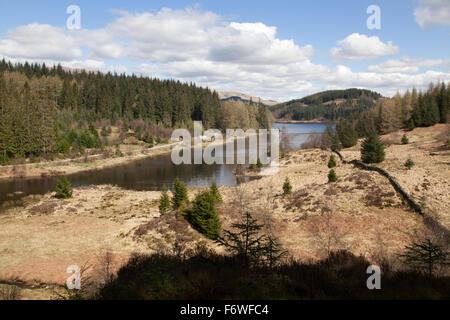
{"x":245,"y":98}
{"x":328,"y":105}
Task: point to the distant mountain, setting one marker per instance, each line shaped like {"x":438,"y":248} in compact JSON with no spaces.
{"x":327,"y":105}
{"x":227,"y":96}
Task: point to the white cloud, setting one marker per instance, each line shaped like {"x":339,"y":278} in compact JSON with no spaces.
{"x":431,"y":13}
{"x":180,"y":35}
{"x":405,"y":65}
{"x":203,"y":47}
{"x":40,"y":41}
{"x":166,"y":36}
{"x":101,"y":43}
{"x":361,"y":47}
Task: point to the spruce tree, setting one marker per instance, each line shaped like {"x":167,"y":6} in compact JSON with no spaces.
{"x":272,"y":251}
{"x":443,"y":103}
{"x":180,"y":196}
{"x":335,"y":143}
{"x":409,"y":164}
{"x":215,"y":192}
{"x":405,"y":139}
{"x":372,"y":150}
{"x":425,"y":256}
{"x":332,"y":162}
{"x":204,"y":216}
{"x":246,"y":241}
{"x":164,"y":201}
{"x":347,"y":134}
{"x":287,"y":187}
{"x":63,"y":188}
{"x":332,"y":177}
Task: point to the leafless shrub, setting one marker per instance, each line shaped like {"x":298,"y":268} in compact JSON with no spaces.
{"x":297,"y":200}
{"x":87,"y":290}
{"x":314,"y":141}
{"x":329,"y":233}
{"x":379,"y":199}
{"x":45,"y":208}
{"x":105,"y":269}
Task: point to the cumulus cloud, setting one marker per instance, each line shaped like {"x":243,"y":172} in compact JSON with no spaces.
{"x":206,"y":48}
{"x":431,"y":13}
{"x":405,"y":65}
{"x":361,"y":47}
{"x":40,"y":41}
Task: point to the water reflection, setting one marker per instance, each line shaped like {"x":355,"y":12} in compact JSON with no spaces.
{"x":148,"y":174}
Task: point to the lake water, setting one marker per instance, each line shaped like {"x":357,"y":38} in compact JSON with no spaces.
{"x":150,"y":173}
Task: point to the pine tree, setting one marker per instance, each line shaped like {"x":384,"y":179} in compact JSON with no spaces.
{"x":405,"y":139}
{"x":180,"y":196}
{"x":443,"y":103}
{"x":347,"y":134}
{"x":332,"y":177}
{"x":204,"y":216}
{"x":335,"y":143}
{"x":63,"y":188}
{"x":332,"y":162}
{"x":247,"y":241}
{"x":425,"y":256}
{"x":409,"y":164}
{"x":215,"y":192}
{"x":272,"y":251}
{"x":164,"y":201}
{"x":372,"y":150}
{"x":287,"y":187}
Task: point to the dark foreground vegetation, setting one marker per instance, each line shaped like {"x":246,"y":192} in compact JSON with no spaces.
{"x":256,"y":267}
{"x":206,"y":275}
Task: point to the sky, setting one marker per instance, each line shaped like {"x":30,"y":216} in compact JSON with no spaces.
{"x":277,"y":50}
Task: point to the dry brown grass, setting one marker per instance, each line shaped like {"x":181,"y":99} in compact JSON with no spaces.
{"x":361,"y":212}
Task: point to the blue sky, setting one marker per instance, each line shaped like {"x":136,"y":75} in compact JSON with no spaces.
{"x":273,"y":49}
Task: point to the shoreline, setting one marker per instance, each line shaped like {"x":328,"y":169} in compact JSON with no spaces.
{"x":363,"y":205}
{"x":301,"y":122}
{"x":78,"y":165}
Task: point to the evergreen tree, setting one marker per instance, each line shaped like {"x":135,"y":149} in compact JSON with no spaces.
{"x":180,"y":196}
{"x":425,"y":256}
{"x":247,"y":241}
{"x":332,"y":162}
{"x":164,"y":201}
{"x":63,"y":188}
{"x":409,"y":164}
{"x":335,"y":143}
{"x":332,"y":177}
{"x":215,"y":192}
{"x":443,"y":103}
{"x":347,"y":134}
{"x":287,"y":187}
{"x":405,"y":139}
{"x":372,"y":150}
{"x":204,"y":217}
{"x":272,"y":251}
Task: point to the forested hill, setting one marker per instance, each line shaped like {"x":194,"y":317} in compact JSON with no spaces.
{"x":327,"y":105}
{"x":56,"y":111}
{"x":109,"y":96}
